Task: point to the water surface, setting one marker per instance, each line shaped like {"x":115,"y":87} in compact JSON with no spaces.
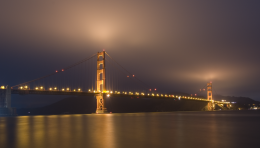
{"x":133,"y":130}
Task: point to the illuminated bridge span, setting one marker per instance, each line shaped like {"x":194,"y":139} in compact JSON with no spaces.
{"x":108,"y":94}
{"x":100,"y":77}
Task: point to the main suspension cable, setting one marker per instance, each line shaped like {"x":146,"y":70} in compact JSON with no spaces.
{"x":56,"y":72}
{"x":144,"y":84}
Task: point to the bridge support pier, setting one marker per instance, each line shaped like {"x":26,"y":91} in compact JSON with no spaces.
{"x":210,"y":106}
{"x":101,"y":107}
{"x":5,"y":102}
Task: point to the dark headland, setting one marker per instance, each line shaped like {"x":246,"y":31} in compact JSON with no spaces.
{"x":87,"y":105}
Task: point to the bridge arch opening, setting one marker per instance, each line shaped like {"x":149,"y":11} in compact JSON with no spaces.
{"x":100,"y":76}
{"x":100,"y":58}
{"x":101,"y":66}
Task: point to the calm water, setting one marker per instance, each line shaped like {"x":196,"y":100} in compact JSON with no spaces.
{"x":133,"y":130}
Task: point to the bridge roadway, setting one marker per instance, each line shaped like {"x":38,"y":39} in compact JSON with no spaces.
{"x":115,"y":94}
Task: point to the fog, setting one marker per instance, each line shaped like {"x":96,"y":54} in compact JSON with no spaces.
{"x":172,"y":45}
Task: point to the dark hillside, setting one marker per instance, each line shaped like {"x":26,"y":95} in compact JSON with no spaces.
{"x":71,"y":105}
{"x":86,"y":105}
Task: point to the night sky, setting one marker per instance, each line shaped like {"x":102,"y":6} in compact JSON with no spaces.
{"x":177,"y":46}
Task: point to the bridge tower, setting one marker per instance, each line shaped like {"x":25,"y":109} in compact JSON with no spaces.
{"x":209,"y":91}
{"x":101,"y":83}
{"x":209,"y":96}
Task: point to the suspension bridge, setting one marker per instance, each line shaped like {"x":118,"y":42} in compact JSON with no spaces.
{"x":100,"y":76}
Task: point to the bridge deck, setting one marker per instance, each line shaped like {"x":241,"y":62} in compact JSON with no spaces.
{"x":48,"y":92}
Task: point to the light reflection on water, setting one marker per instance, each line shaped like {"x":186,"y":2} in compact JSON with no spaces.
{"x":132,"y":130}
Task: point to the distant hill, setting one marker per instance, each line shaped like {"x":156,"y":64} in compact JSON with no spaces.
{"x":240,"y":100}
